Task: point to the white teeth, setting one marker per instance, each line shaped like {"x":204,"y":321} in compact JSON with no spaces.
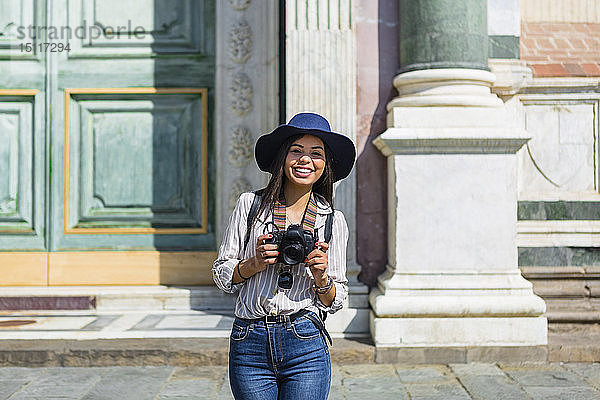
{"x":303,"y":170}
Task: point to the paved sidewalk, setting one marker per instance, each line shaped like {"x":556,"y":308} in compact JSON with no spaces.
{"x":368,"y":381}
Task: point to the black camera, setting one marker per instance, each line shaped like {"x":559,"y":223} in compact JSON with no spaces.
{"x":294,"y":244}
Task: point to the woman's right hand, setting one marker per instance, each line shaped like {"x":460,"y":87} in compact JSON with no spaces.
{"x":265,"y":253}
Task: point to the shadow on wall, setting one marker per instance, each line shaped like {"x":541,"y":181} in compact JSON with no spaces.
{"x":183,"y":155}
{"x":371,"y":166}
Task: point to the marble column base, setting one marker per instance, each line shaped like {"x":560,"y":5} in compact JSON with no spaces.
{"x":445,"y":87}
{"x":485,"y":308}
{"x":451,"y":332}
{"x":452,"y":278}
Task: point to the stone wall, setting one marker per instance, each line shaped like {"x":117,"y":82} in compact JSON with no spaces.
{"x":561,"y":48}
{"x":561,"y":38}
{"x":559,"y":205}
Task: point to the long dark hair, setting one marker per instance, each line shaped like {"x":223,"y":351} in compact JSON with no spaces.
{"x":274,"y":190}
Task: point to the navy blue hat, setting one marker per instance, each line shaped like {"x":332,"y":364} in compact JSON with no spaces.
{"x":342,"y":149}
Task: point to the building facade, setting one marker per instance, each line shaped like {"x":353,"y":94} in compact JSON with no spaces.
{"x":122,"y":151}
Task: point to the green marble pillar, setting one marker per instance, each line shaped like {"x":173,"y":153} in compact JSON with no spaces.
{"x":443,"y":34}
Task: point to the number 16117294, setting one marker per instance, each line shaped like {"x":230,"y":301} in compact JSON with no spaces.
{"x":44,"y":47}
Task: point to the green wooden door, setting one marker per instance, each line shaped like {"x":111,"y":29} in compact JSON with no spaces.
{"x":23,"y":153}
{"x":110,"y":147}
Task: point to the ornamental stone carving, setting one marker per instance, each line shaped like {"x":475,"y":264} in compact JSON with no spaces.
{"x":240,"y":42}
{"x":239,"y":4}
{"x":240,"y":185}
{"x":240,"y":153}
{"x":241,"y":93}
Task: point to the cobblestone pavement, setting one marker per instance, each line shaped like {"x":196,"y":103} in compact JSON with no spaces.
{"x":367,"y":381}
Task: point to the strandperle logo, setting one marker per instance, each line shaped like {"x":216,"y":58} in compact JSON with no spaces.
{"x":84,"y":31}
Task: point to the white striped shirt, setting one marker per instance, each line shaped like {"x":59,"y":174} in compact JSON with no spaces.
{"x":259,"y":295}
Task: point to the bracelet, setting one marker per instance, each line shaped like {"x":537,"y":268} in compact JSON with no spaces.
{"x":324,"y":289}
{"x":240,"y":272}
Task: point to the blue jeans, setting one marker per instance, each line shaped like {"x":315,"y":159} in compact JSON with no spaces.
{"x":283,"y":360}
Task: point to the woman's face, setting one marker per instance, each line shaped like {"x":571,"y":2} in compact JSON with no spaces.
{"x":305,"y":161}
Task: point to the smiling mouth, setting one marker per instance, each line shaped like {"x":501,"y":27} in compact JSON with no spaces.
{"x":302,"y":171}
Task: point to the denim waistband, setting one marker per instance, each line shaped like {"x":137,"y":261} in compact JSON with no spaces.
{"x":273,"y":319}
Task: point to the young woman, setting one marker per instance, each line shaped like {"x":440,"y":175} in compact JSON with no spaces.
{"x":277,"y":344}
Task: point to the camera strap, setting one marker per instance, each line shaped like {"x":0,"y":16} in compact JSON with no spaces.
{"x":311,"y":214}
{"x":308,"y":219}
{"x":253,"y":210}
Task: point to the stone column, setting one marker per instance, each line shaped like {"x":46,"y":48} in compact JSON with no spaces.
{"x":452,"y":280}
{"x":443,"y":34}
{"x":321,"y":77}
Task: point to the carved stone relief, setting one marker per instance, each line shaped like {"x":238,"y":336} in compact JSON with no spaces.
{"x":240,"y":37}
{"x":240,"y":42}
{"x":240,"y":153}
{"x":239,"y":5}
{"x":240,"y":185}
{"x":241,"y":93}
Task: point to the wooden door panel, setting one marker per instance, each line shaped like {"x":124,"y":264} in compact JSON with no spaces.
{"x":136,"y":161}
{"x":130,"y":171}
{"x":22,"y":130}
{"x":107,"y":146}
{"x":16,"y":162}
{"x":15,"y":19}
{"x":140,"y":28}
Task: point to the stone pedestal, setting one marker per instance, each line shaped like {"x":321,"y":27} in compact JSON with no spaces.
{"x":452,"y":278}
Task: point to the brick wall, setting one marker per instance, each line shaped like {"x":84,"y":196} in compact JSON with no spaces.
{"x":561,"y":48}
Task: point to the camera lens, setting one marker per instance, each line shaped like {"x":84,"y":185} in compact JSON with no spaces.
{"x":285,"y":280}
{"x":293,"y":254}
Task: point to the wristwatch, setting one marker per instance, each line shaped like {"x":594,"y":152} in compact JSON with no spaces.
{"x":324,"y":289}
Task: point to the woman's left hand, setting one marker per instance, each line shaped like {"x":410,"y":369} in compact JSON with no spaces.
{"x":317,"y":262}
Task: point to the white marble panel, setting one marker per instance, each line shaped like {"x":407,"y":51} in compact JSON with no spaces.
{"x":455,"y":211}
{"x":560,"y":157}
{"x":189,"y":322}
{"x":504,"y":17}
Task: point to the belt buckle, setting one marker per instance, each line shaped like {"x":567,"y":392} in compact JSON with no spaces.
{"x":271,"y":319}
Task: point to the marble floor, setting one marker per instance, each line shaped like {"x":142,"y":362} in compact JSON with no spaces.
{"x":114,"y":325}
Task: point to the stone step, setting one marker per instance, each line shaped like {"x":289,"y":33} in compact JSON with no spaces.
{"x":96,"y":305}
{"x":108,"y":298}
{"x":577,"y":342}
{"x":149,"y":352}
{"x":562,"y":347}
{"x":571,"y":293}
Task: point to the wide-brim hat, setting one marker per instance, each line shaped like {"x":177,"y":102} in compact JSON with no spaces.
{"x":342,"y":150}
